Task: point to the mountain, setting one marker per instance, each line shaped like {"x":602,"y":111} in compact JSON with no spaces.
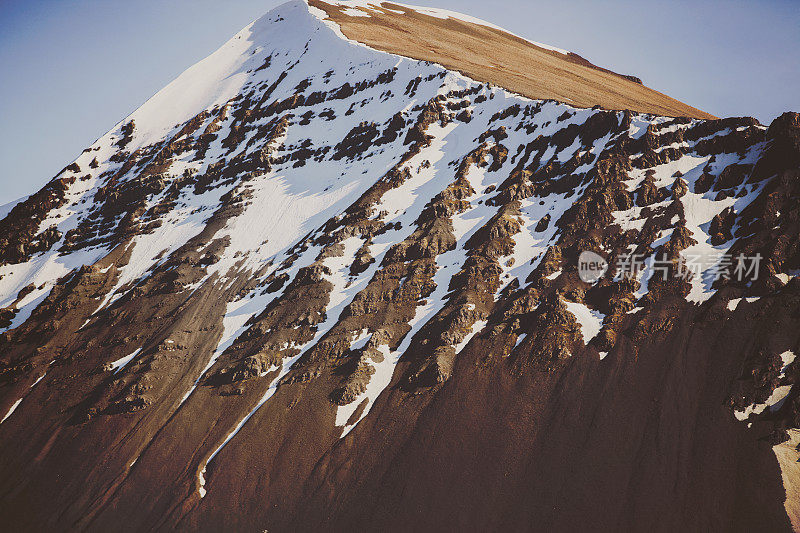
{"x":321,"y":281}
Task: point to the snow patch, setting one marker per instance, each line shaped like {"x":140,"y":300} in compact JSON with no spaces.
{"x":788,"y":454}
{"x":11,"y":411}
{"x":733,"y":304}
{"x":520,"y":338}
{"x":352,"y":12}
{"x":477,"y":326}
{"x":775,"y":400}
{"x":119,"y":364}
{"x":591,"y":322}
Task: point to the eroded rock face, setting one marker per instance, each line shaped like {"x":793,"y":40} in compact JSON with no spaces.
{"x":294,"y":303}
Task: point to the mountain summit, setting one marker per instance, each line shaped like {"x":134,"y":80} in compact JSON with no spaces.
{"x":332,"y":279}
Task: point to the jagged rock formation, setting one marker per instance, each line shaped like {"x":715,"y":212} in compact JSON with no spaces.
{"x":311,"y":284}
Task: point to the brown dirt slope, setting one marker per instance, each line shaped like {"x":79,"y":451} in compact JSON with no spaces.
{"x":494,"y":56}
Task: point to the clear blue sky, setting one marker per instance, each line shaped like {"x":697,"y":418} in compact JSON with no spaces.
{"x":70,"y":70}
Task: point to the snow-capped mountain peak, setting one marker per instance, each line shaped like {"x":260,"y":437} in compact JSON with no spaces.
{"x":323,"y":280}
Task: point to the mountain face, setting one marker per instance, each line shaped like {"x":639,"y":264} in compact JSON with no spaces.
{"x":313,"y":284}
